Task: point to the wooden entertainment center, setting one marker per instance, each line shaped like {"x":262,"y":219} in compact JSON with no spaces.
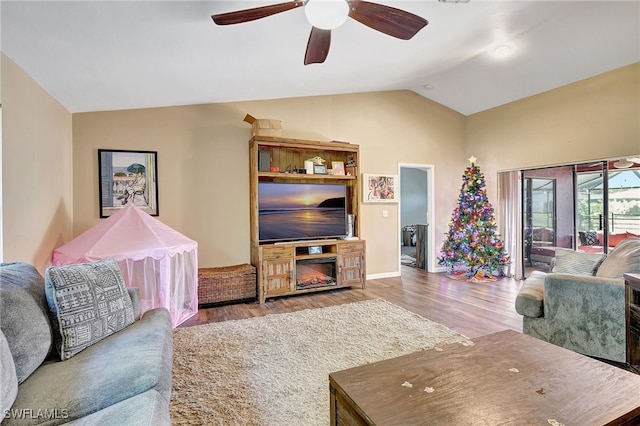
{"x":282,"y":267}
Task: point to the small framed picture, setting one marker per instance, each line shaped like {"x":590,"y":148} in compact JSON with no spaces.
{"x":379,"y":188}
{"x":338,"y":168}
{"x":315,"y":249}
{"x":319,"y":170}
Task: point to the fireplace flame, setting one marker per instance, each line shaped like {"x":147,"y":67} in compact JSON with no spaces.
{"x":315,"y":275}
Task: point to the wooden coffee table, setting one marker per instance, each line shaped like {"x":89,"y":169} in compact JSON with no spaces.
{"x":505,"y":378}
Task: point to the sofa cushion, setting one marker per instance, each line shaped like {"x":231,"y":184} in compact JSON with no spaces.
{"x":588,"y":238}
{"x":615,"y":239}
{"x":8,"y":377}
{"x":529,"y":301}
{"x":147,"y":409}
{"x":573,"y":262}
{"x":127,"y":363}
{"x":24,"y":316}
{"x":623,"y":259}
{"x":542,"y":235}
{"x":89,"y":302}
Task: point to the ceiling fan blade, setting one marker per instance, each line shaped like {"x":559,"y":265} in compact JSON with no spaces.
{"x":247,"y":15}
{"x":318,"y":46}
{"x":386,"y":19}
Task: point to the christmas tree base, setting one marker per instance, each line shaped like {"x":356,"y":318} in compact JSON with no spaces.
{"x":479,"y":276}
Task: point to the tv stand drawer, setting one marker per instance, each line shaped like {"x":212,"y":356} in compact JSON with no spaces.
{"x":277,"y":252}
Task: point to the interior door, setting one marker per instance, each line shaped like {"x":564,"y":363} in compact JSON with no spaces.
{"x":416,"y":195}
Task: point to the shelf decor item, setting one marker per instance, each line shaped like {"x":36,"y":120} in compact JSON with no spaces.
{"x":264,"y":126}
{"x":127,"y":178}
{"x":350,"y":167}
{"x":308,"y":167}
{"x":350,"y":220}
{"x":378,"y":188}
{"x":319,"y":170}
{"x":315,"y":250}
{"x":338,"y":168}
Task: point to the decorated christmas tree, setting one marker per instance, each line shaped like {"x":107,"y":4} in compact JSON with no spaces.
{"x":472,"y":248}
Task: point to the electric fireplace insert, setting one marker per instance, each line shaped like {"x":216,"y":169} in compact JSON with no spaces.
{"x":312,"y":273}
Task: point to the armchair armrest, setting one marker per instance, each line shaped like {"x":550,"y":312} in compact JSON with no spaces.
{"x":574,"y":288}
{"x":134,"y":293}
{"x":587,"y":311}
{"x":585,"y":295}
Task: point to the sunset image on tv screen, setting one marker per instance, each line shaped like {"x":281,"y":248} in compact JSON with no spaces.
{"x":301,"y":211}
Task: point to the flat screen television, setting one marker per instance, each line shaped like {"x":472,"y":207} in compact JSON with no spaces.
{"x":301,"y":211}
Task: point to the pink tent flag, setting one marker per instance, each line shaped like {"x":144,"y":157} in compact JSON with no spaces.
{"x":156,"y":259}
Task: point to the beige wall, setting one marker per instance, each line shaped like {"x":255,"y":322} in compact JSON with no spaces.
{"x":592,"y":119}
{"x":36,"y":170}
{"x":203,"y":161}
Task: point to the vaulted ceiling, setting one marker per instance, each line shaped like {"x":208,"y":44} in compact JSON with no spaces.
{"x":106,"y":55}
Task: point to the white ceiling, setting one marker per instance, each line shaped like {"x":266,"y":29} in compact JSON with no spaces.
{"x":107,"y":55}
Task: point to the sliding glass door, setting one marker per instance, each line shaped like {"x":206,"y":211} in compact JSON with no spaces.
{"x":589,"y":207}
{"x":592,"y":207}
{"x":548,"y":215}
{"x":608,"y":206}
{"x":539,"y":217}
{"x":624,"y":204}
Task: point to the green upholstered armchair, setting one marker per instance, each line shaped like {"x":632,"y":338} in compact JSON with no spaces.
{"x":580,"y":304}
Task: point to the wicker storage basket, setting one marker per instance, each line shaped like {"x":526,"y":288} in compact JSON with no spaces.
{"x":227,"y":283}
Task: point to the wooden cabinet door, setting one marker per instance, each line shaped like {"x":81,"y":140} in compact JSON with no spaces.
{"x":277,"y":272}
{"x":351,"y":264}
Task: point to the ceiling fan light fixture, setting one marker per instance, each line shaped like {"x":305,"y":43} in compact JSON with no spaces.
{"x":326,"y":14}
{"x":623,"y":164}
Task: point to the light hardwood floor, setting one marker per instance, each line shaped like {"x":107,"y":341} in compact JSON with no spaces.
{"x":473,"y":309}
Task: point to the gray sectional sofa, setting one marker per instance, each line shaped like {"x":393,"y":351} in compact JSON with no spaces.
{"x":580,"y":305}
{"x":121,"y":377}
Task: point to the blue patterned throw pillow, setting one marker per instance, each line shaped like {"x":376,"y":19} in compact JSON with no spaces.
{"x":88,"y":302}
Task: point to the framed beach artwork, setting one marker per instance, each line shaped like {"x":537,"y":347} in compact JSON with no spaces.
{"x":126,"y":178}
{"x":378,"y":188}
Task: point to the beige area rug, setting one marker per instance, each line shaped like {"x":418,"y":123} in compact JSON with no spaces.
{"x":274,"y":370}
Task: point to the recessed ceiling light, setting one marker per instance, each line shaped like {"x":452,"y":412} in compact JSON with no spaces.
{"x":427,"y":87}
{"x":502,"y":51}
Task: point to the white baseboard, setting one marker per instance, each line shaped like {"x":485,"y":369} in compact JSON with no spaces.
{"x":397,"y":274}
{"x":383,"y":275}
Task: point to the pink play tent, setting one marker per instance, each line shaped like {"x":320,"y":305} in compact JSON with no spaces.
{"x":158,"y":260}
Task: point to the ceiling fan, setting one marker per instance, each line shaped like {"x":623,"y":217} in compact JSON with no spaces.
{"x":325,"y":15}
{"x":626,"y":163}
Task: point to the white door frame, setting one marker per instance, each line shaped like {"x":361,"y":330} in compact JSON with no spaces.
{"x":430,"y":169}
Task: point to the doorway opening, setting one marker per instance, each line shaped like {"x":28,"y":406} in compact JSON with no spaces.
{"x":416,"y":213}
